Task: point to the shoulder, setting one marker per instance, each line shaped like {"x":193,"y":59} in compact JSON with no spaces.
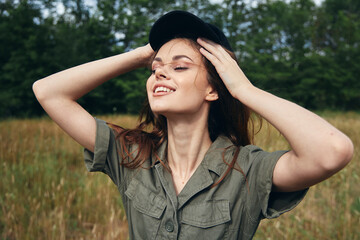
{"x":249,"y":157}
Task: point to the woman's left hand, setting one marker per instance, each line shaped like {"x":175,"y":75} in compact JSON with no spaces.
{"x":227,"y":67}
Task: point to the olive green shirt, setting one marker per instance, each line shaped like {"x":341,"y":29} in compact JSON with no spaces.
{"x":230,"y":210}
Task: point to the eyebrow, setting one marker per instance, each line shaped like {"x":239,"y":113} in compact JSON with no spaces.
{"x":177,"y":57}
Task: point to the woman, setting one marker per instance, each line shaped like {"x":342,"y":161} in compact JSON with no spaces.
{"x":195,"y":175}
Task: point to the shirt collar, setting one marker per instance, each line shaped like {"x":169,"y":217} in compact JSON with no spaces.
{"x":213,"y":159}
{"x":217,"y":153}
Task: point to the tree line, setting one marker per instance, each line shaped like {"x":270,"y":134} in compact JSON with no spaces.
{"x":298,"y":50}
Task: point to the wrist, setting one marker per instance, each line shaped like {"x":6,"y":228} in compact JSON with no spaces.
{"x":143,"y":55}
{"x":243,"y":92}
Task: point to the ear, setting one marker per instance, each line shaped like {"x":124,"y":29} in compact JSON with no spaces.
{"x":211,"y":95}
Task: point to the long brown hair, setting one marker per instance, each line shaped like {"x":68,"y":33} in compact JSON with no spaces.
{"x":227,"y":117}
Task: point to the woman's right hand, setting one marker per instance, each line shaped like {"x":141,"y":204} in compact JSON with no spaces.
{"x":146,"y":54}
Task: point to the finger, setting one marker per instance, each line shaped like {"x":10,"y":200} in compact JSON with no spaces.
{"x":223,"y":57}
{"x":219,"y":52}
{"x":213,"y":59}
{"x":210,"y":46}
{"x":213,"y":48}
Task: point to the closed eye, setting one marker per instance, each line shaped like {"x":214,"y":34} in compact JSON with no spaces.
{"x":180,"y":68}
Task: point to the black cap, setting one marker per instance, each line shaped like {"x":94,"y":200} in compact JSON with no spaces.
{"x":177,"y":24}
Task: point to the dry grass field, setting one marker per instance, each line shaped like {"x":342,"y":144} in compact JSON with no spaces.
{"x":46,"y":192}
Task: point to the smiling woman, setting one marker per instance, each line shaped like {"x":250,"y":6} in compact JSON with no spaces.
{"x":179,"y":71}
{"x":195,"y":174}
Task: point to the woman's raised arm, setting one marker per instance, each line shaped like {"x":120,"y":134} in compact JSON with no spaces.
{"x":318,"y":149}
{"x":58,"y":93}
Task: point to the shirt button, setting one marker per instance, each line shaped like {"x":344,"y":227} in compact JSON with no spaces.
{"x":169,"y":226}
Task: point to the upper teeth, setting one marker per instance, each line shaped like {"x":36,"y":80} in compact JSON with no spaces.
{"x":163,"y":89}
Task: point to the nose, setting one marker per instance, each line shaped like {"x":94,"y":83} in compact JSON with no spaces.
{"x":161,"y":74}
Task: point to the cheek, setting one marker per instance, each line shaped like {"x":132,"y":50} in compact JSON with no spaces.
{"x":201,"y":83}
{"x":149,"y":84}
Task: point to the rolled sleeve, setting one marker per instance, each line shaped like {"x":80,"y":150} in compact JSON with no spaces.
{"x":272,"y":204}
{"x":105,"y":157}
{"x":95,"y":161}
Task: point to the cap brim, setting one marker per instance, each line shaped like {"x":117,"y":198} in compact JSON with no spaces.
{"x":177,"y":24}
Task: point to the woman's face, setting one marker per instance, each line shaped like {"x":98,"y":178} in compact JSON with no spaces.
{"x":178,"y":83}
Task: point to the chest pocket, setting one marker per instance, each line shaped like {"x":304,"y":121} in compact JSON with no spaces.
{"x":207,"y":220}
{"x":144,"y":211}
{"x":144,"y":200}
{"x":207,"y":214}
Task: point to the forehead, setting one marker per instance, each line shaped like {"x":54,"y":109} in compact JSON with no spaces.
{"x":178,"y":47}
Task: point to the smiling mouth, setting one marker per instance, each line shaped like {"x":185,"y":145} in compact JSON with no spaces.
{"x":163,"y":89}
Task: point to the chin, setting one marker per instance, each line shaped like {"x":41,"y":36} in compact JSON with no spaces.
{"x":161,"y":107}
{"x":168,"y":109}
{"x":159,"y":110}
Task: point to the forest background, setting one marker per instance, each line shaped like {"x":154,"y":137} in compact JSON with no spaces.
{"x":305,"y":52}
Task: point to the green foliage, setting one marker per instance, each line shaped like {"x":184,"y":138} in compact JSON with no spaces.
{"x":300,"y":51}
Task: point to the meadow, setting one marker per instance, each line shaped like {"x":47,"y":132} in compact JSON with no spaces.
{"x":47,"y":193}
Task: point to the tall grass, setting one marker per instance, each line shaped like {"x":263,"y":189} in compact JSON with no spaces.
{"x":46,"y":192}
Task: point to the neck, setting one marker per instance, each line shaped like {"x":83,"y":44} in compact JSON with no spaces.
{"x":188,"y":142}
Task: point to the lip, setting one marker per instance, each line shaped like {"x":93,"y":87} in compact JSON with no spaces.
{"x":162,"y":93}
